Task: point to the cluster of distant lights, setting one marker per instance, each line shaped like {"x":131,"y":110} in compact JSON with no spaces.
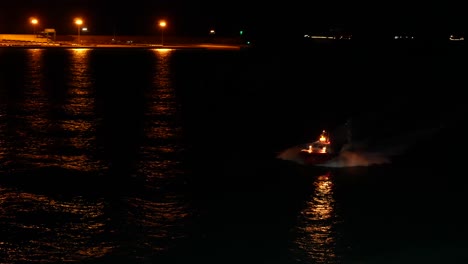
{"x":452,"y":37}
{"x":403,"y":37}
{"x":398,"y":37}
{"x":162,"y":24}
{"x":328,"y":37}
{"x":79,"y":22}
{"x":455,"y":38}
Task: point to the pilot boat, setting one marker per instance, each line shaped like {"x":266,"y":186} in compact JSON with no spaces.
{"x":318,"y":152}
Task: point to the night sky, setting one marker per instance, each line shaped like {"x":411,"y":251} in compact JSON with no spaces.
{"x":185,"y":18}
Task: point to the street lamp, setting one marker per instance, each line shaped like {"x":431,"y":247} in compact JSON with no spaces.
{"x":34,"y":22}
{"x":78,"y":23}
{"x":162,"y":24}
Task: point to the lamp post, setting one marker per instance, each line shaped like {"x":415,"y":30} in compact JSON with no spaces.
{"x":78,"y":23}
{"x":34,"y":22}
{"x":162,"y":25}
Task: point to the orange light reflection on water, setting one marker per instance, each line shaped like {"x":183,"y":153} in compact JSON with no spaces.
{"x":48,"y":238}
{"x":64,"y":107}
{"x":315,"y":237}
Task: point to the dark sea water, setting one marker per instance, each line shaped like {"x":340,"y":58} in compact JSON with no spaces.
{"x":190,"y":156}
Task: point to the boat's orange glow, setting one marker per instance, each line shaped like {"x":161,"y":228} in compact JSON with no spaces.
{"x":324,"y":138}
{"x":309,"y":150}
{"x":320,"y":146}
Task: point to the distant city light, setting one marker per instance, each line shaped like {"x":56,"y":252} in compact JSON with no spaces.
{"x":403,"y":37}
{"x":34,"y":22}
{"x":456,"y":38}
{"x":78,"y":22}
{"x":337,"y":37}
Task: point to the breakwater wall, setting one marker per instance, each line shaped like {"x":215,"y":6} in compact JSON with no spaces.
{"x":106,"y":39}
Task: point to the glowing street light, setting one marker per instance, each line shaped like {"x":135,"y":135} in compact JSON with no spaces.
{"x":162,"y":24}
{"x":78,"y":22}
{"x":34,"y":22}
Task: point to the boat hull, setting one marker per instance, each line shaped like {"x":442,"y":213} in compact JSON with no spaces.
{"x":316,"y":158}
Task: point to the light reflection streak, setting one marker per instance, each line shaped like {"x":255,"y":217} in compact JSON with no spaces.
{"x":315,"y":233}
{"x":80,"y":108}
{"x":57,"y":118}
{"x":163,"y":109}
{"x":3,"y":135}
{"x":56,"y":127}
{"x":161,"y":223}
{"x":27,"y":113}
{"x":42,"y":236}
{"x":51,"y":119}
{"x":161,"y":220}
{"x":35,"y":67}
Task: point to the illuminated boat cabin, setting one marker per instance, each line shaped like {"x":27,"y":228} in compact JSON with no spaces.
{"x":318,"y":151}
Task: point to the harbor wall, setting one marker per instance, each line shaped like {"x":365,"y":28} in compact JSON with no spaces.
{"x":106,"y":39}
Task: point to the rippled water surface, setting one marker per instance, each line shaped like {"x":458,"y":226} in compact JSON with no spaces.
{"x":176,"y":156}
